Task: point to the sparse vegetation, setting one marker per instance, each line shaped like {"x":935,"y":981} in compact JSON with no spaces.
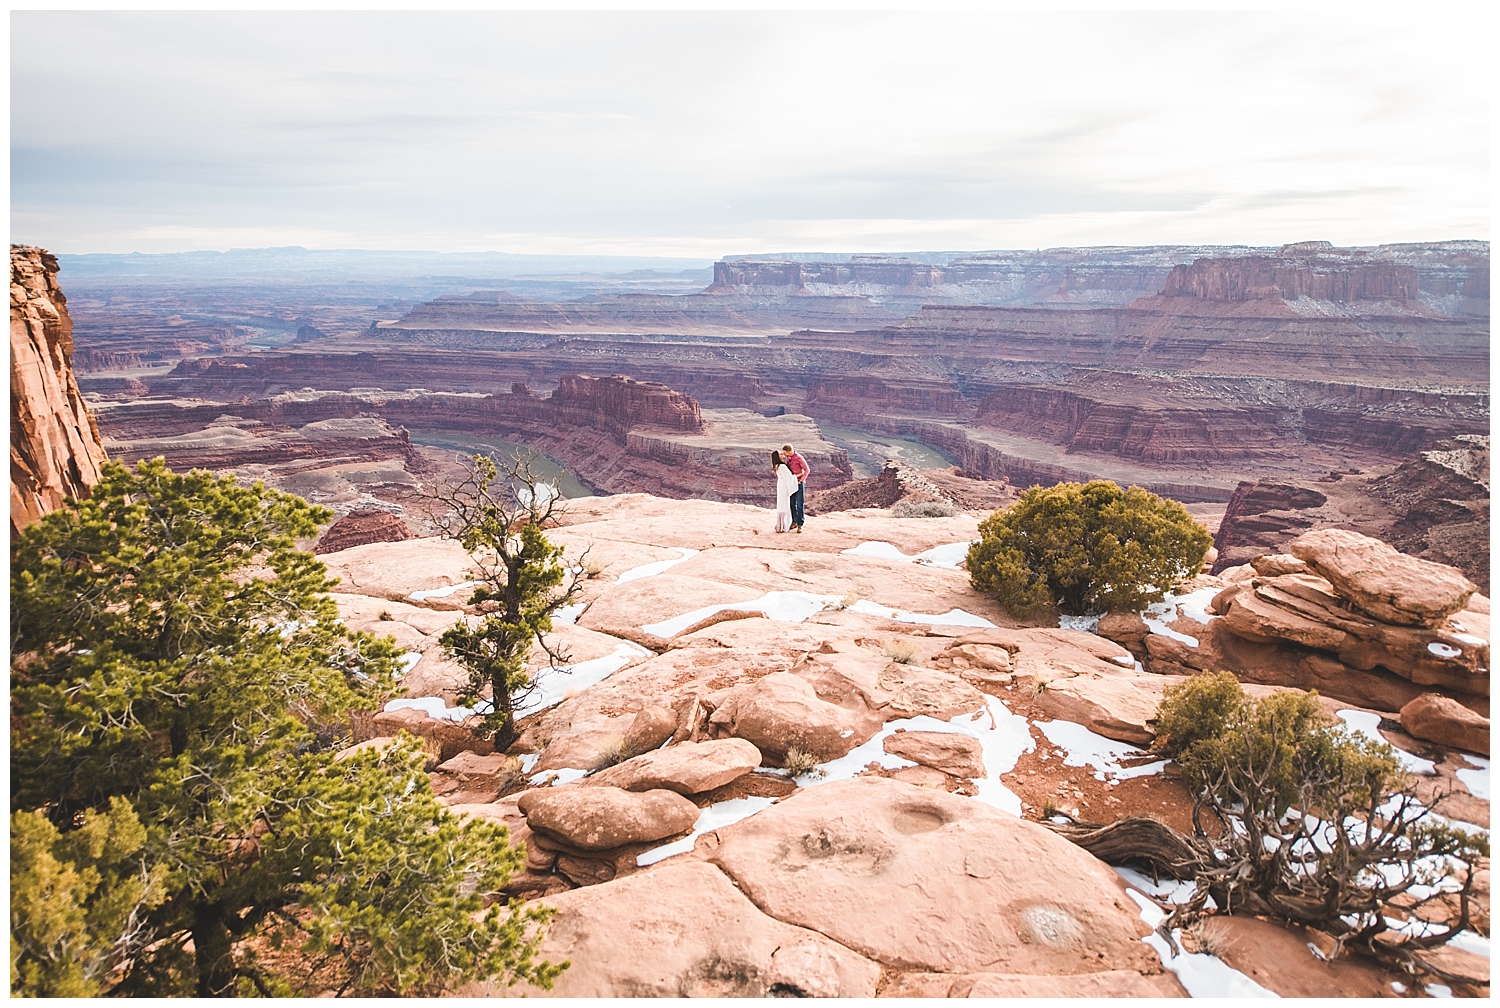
{"x":498,"y":513}
{"x":175,"y":819}
{"x":1086,"y":549}
{"x":800,"y":763}
{"x":923,"y":509}
{"x":903,"y":651}
{"x":385,"y":616}
{"x":614,"y":752}
{"x":1298,"y":818}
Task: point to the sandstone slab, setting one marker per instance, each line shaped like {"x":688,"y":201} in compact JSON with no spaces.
{"x":687,"y":768}
{"x":684,"y":930}
{"x":600,"y":818}
{"x":1447,"y":722}
{"x":1389,"y":585}
{"x":393,"y":570}
{"x":781,"y":711}
{"x":923,"y":880}
{"x":1109,"y":984}
{"x":959,"y":755}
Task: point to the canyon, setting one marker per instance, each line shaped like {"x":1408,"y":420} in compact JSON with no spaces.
{"x":1183,"y":370}
{"x":824,"y":763}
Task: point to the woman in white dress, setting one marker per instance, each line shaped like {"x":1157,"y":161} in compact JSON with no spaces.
{"x":786,"y":485}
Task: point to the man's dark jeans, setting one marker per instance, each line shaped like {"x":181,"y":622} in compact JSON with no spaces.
{"x":797,"y":500}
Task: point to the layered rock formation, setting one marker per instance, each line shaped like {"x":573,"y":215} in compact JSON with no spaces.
{"x":359,"y":528}
{"x":55,"y":448}
{"x":1341,"y":613}
{"x":1435,"y":506}
{"x":614,"y":433}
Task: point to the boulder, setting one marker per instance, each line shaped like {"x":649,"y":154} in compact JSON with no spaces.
{"x":360,"y":528}
{"x":600,"y":818}
{"x":1447,"y":722}
{"x":916,"y":691}
{"x":959,"y":755}
{"x":653,"y":725}
{"x":684,"y":930}
{"x":920,"y":879}
{"x":686,"y":768}
{"x":781,"y":711}
{"x":984,"y":656}
{"x":449,"y":737}
{"x":469,"y":778}
{"x":1390,"y":586}
{"x":1276,"y":564}
{"x":1125,"y":628}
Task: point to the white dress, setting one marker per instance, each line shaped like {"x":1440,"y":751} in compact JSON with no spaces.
{"x":786,"y":485}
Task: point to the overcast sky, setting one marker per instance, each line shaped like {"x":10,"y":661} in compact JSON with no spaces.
{"x":714,"y":134}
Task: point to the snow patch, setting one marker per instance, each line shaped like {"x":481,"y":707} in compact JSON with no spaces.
{"x":432,"y":706}
{"x":1087,"y":748}
{"x":1088,"y":624}
{"x":948,"y":555}
{"x":420,"y":596}
{"x":408,"y":662}
{"x":784,"y":606}
{"x":1002,"y":736}
{"x":953,"y":617}
{"x":647,"y":570}
{"x":1477,"y":781}
{"x":569,"y":614}
{"x":1201,"y":975}
{"x":554,"y":684}
{"x":1443,"y":650}
{"x":716,"y":816}
{"x":1193,"y":605}
{"x":1369,"y":725}
{"x":566,"y":775}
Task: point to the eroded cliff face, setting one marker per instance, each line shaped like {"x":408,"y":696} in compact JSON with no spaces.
{"x":55,"y":451}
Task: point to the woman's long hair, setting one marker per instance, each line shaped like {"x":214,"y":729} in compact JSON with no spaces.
{"x":775,"y":459}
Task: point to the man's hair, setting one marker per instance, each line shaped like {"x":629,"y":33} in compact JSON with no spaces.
{"x":786,"y":447}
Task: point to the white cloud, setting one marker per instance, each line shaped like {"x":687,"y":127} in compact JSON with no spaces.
{"x":709,"y":134}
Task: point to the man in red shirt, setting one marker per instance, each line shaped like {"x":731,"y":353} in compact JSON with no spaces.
{"x":798,"y":465}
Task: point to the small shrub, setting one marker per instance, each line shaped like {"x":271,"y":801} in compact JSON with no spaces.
{"x":1049,"y":807}
{"x":903,"y":652}
{"x":614,"y":752}
{"x":923,"y":509}
{"x":593,"y":569}
{"x":1298,"y":818}
{"x":1086,"y":548}
{"x":800,"y":763}
{"x":385,"y":615}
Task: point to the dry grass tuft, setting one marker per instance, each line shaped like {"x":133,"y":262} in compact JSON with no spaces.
{"x":903,"y":652}
{"x":800,"y":763}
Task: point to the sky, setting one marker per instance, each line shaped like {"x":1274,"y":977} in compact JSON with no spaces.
{"x":711,"y":134}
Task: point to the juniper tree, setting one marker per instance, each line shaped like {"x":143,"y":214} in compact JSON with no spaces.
{"x":172,"y":649}
{"x":498,"y":512}
{"x":1086,"y":548}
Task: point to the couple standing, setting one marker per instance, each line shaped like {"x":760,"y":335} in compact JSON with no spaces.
{"x":791,"y":476}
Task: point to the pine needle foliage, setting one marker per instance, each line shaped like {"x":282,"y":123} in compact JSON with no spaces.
{"x":1086,"y":548}
{"x":1298,"y":818}
{"x":172,"y":650}
{"x":498,"y":512}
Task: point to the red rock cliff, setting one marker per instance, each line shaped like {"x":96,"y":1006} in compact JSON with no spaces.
{"x":620,"y":403}
{"x":55,"y":451}
{"x":1264,"y":278}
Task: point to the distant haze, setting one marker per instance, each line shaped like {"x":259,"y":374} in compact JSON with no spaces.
{"x":698,"y":135}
